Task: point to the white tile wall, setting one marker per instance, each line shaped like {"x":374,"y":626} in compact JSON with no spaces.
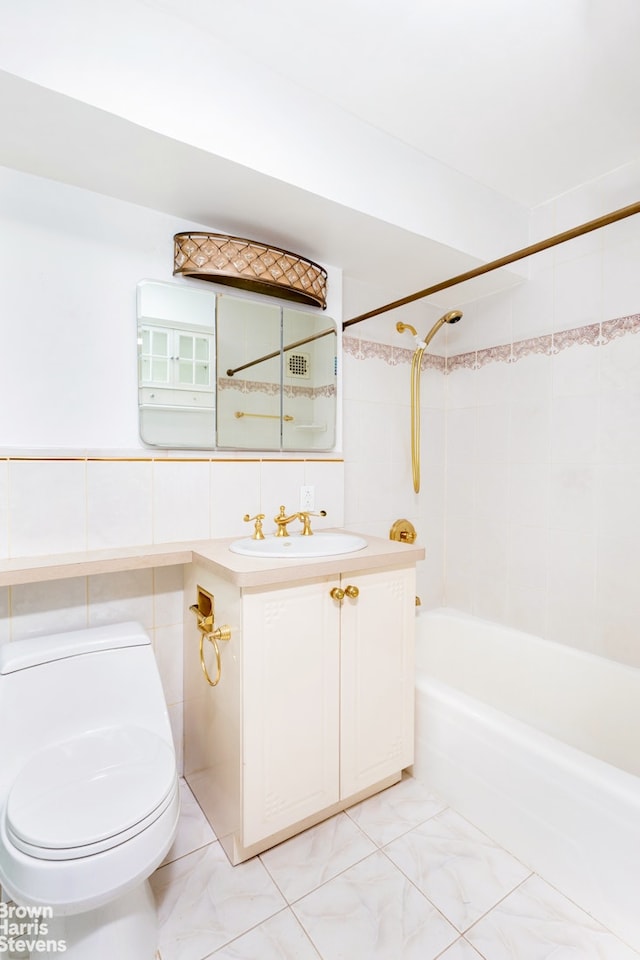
{"x":67,"y":505}
{"x":47,"y":507}
{"x":563,"y":489}
{"x":530,"y":468}
{"x":181,"y":500}
{"x":119,"y":508}
{"x":50,"y":607}
{"x":235,"y":491}
{"x":280,"y":486}
{"x":116,"y":597}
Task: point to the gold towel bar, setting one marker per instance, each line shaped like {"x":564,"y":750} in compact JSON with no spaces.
{"x":263,"y":416}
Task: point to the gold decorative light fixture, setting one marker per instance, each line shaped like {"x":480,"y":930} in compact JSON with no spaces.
{"x":250,"y":265}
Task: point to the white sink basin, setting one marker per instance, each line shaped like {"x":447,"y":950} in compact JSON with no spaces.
{"x":296,"y":546}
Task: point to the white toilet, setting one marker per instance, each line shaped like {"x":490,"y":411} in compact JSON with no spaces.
{"x":89,"y":797}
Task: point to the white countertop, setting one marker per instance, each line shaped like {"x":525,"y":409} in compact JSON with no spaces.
{"x":213,"y":554}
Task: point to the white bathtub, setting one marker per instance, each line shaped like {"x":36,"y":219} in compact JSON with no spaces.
{"x":538,"y":744}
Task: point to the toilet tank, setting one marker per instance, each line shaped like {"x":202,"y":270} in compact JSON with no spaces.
{"x":55,"y":687}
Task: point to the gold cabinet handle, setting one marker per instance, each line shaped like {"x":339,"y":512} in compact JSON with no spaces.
{"x":352,"y":592}
{"x":337,"y":593}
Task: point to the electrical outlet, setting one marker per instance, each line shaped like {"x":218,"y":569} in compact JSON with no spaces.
{"x":307,"y":498}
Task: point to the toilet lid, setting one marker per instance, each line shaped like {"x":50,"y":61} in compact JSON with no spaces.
{"x":90,"y":793}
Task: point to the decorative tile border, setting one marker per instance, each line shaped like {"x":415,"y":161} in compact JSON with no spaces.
{"x":595,"y":334}
{"x":587,"y":336}
{"x":371,"y":350}
{"x":619,"y":327}
{"x":272,"y":389}
{"x":310,"y":393}
{"x":249,"y":386}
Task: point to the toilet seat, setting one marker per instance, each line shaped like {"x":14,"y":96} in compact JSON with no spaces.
{"x":89,"y":794}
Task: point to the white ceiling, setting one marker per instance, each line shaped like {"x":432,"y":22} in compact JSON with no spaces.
{"x":529,"y":98}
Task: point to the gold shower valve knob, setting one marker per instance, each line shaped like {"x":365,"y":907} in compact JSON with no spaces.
{"x":403,"y":531}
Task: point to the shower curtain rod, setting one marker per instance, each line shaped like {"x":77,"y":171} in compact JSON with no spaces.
{"x":469,"y":275}
{"x":502,"y":262}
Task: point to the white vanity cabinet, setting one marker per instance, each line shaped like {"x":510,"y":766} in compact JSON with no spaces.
{"x":377,"y":678}
{"x":314,"y":708}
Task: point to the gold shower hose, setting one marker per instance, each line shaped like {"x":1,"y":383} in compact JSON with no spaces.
{"x":416,"y":364}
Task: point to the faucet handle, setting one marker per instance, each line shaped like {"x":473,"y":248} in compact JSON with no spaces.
{"x":257,"y":533}
{"x":305,"y":518}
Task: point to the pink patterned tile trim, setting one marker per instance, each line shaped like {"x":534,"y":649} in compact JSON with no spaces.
{"x":272,"y":389}
{"x":432,"y":361}
{"x":595,"y":334}
{"x":371,"y":349}
{"x":541,"y":346}
{"x":612,"y":329}
{"x":351,"y":346}
{"x":401,"y":355}
{"x":392,"y":355}
{"x":589,"y":336}
{"x":461,"y":361}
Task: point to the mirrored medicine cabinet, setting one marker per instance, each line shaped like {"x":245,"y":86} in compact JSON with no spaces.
{"x":233,"y":372}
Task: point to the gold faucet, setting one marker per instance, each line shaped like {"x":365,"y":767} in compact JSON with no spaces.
{"x":305,"y":518}
{"x":281,"y":522}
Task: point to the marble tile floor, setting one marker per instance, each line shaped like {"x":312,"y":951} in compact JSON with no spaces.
{"x":397,"y":877}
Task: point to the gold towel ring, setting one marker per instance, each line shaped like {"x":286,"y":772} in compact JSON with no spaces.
{"x":212,"y":639}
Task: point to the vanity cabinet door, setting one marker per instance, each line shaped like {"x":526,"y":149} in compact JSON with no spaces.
{"x":377,"y":677}
{"x":290,"y":708}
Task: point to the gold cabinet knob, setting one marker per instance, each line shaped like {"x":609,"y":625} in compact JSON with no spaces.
{"x":352,"y":592}
{"x":337,"y":593}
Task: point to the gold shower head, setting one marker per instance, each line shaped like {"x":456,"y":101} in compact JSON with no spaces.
{"x":452,"y":317}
